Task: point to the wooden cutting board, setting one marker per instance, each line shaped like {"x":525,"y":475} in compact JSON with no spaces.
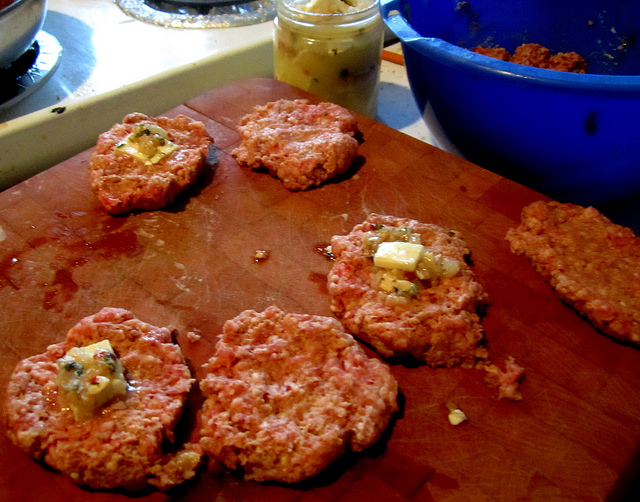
{"x":576,"y":435}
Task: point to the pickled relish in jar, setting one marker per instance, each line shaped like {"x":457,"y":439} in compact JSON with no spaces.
{"x":331,"y":48}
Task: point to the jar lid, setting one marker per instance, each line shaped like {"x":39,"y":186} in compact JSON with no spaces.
{"x":319,"y":12}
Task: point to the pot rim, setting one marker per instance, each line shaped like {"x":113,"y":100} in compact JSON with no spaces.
{"x":12,"y":6}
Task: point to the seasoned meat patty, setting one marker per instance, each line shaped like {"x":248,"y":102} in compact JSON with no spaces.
{"x":120,"y":445}
{"x":300,"y":143}
{"x":286,"y":394}
{"x":144,"y":162}
{"x":592,"y":263}
{"x":428,"y":312}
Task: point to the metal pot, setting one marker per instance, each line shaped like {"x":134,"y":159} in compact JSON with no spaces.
{"x":20,"y":22}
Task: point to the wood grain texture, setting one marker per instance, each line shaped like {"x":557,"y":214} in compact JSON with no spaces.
{"x":576,"y":435}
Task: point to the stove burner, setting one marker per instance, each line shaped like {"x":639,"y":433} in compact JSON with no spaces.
{"x":30,"y":71}
{"x":22,"y":64}
{"x":202,"y":6}
{"x":199,"y":13}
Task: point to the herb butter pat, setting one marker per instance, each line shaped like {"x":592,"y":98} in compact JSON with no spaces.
{"x":89,"y":377}
{"x":398,"y":255}
{"x":148,"y":143}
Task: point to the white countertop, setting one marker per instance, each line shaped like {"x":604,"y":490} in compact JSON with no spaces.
{"x":106,"y":50}
{"x":396,"y":105}
{"x":113,"y":64}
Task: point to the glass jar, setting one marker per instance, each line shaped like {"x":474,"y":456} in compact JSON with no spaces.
{"x":331,"y":48}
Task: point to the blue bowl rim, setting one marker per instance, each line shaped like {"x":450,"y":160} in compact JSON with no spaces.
{"x":467,"y":61}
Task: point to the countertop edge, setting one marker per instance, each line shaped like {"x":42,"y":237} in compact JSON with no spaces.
{"x":35,"y":142}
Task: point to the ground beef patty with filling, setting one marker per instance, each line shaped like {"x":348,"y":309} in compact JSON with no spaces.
{"x":300,"y":143}
{"x":120,"y":445}
{"x":143,"y":163}
{"x":592,"y":263}
{"x":286,"y":394}
{"x":433,"y":318}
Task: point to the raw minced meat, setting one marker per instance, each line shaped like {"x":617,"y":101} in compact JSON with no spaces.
{"x":124,"y":182}
{"x":537,"y":56}
{"x":507,"y":381}
{"x":286,"y":394}
{"x":534,"y":55}
{"x":121,"y":446}
{"x":300,"y":143}
{"x":438,"y":323}
{"x":494,"y":52}
{"x":571,"y":62}
{"x":592,"y":263}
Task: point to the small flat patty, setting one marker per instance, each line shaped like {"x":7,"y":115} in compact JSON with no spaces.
{"x":438,"y":325}
{"x":300,"y":143}
{"x":286,"y":394}
{"x":592,"y":263}
{"x":121,"y":445}
{"x":124,"y":183}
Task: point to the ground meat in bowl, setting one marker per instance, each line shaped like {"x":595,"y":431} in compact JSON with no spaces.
{"x":286,"y":394}
{"x":537,"y":56}
{"x":121,"y":445}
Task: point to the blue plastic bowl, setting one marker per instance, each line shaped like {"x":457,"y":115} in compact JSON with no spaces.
{"x":575,"y":137}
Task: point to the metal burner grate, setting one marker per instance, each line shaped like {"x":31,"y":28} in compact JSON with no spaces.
{"x":199,"y":13}
{"x":30,"y":71}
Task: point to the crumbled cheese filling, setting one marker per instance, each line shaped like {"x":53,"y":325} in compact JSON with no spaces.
{"x":148,"y":143}
{"x":456,"y":417}
{"x":89,"y":377}
{"x":260,"y":255}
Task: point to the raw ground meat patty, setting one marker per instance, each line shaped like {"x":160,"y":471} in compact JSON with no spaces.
{"x":286,"y":394}
{"x":300,"y":143}
{"x":591,"y":262}
{"x":438,"y":324}
{"x":125,"y":183}
{"x":121,"y":445}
